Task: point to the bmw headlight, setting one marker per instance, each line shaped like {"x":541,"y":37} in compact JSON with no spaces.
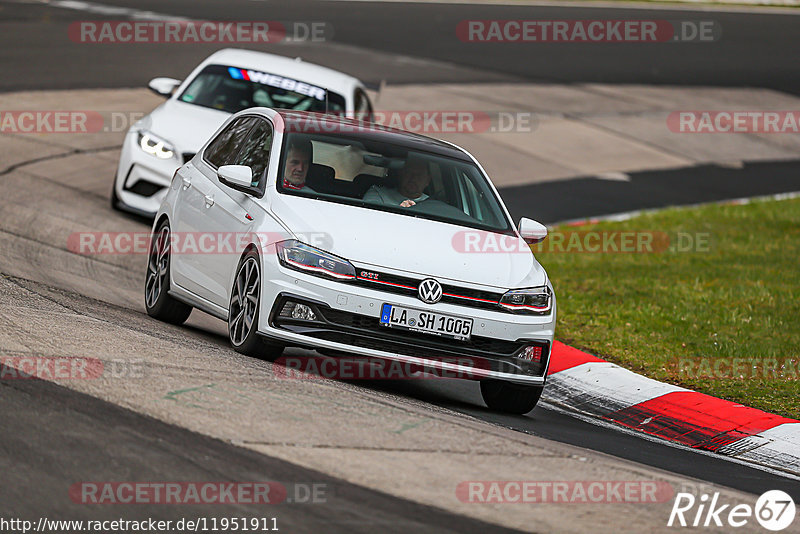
{"x":155,"y":146}
{"x":533,"y":301}
{"x":301,"y":257}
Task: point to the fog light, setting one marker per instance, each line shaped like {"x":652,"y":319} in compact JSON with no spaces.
{"x":301,"y":311}
{"x":295,"y":310}
{"x":532,"y":353}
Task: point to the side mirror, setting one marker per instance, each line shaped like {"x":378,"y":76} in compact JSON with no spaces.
{"x":163,"y":86}
{"x":532,"y":232}
{"x":236,"y":176}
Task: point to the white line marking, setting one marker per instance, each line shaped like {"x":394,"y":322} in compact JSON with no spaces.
{"x":102,"y":9}
{"x":614,"y":176}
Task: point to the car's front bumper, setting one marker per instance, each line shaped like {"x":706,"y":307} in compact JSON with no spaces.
{"x":349,"y":323}
{"x":142,"y":180}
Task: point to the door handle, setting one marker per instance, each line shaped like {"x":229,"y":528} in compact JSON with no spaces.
{"x":187,"y":183}
{"x":209,"y":201}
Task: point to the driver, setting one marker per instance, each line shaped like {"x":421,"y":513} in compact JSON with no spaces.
{"x":298,"y":160}
{"x":412,"y":181}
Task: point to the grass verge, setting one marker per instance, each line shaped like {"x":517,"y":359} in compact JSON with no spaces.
{"x":715,"y":307}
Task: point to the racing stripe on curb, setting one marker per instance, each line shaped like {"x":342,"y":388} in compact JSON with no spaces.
{"x":565,"y":357}
{"x":697,"y":420}
{"x":585,"y":383}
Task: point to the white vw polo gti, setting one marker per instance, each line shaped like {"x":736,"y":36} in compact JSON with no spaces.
{"x":317,"y":231}
{"x":228,"y":81}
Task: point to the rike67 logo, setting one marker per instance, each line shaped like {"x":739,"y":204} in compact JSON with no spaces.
{"x":774,"y":510}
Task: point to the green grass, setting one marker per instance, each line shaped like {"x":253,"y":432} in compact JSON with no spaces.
{"x":691,"y":5}
{"x":652,"y":312}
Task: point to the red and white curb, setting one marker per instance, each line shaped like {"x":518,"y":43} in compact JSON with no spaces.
{"x":588,"y":385}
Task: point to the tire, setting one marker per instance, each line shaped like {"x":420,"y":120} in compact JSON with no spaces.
{"x":510,"y":398}
{"x":243,"y":311}
{"x":157,"y":301}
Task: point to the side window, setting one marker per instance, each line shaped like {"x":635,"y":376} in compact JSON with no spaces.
{"x":362,"y":105}
{"x":225,"y":146}
{"x":255,"y":151}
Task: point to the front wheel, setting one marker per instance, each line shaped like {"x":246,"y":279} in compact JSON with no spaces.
{"x":157,"y":301}
{"x":510,"y":398}
{"x":244,"y":309}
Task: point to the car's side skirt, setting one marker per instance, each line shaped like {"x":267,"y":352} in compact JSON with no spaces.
{"x":187,"y":297}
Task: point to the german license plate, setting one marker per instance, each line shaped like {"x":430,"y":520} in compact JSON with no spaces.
{"x":426,"y":322}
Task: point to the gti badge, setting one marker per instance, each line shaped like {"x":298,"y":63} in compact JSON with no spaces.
{"x":430,"y":291}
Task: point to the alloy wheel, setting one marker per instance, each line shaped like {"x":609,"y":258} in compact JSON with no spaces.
{"x":244,"y":301}
{"x":157,"y":267}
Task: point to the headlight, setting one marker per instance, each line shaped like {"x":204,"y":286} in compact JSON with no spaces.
{"x":301,"y":257}
{"x":155,"y":146}
{"x":533,"y":301}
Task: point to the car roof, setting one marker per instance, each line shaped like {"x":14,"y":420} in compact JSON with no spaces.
{"x":336,"y":125}
{"x":295,"y":68}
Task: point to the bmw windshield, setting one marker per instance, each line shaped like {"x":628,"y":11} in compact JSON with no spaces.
{"x":232,"y":89}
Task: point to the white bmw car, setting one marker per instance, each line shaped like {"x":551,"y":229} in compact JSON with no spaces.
{"x":226,"y":82}
{"x":310,"y":230}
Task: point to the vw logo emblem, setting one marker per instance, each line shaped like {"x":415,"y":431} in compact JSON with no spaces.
{"x":430,"y":291}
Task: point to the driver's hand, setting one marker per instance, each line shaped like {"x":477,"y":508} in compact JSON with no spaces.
{"x":407,"y":203}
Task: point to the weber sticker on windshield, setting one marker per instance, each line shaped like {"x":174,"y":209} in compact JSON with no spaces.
{"x":274,"y":80}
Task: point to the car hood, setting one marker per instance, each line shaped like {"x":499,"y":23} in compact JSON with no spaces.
{"x":373,"y":238}
{"x":186,"y":126}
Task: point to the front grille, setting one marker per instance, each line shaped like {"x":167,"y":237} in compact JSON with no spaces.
{"x":365,"y":323}
{"x":402,"y":285}
{"x":366,"y":332}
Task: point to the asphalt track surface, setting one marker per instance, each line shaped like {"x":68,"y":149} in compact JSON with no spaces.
{"x":97,"y":435}
{"x":586,"y":197}
{"x":754,"y":49}
{"x":60,"y":436}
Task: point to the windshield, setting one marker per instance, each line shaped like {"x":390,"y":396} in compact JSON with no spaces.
{"x":389,"y":177}
{"x":233,"y":89}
